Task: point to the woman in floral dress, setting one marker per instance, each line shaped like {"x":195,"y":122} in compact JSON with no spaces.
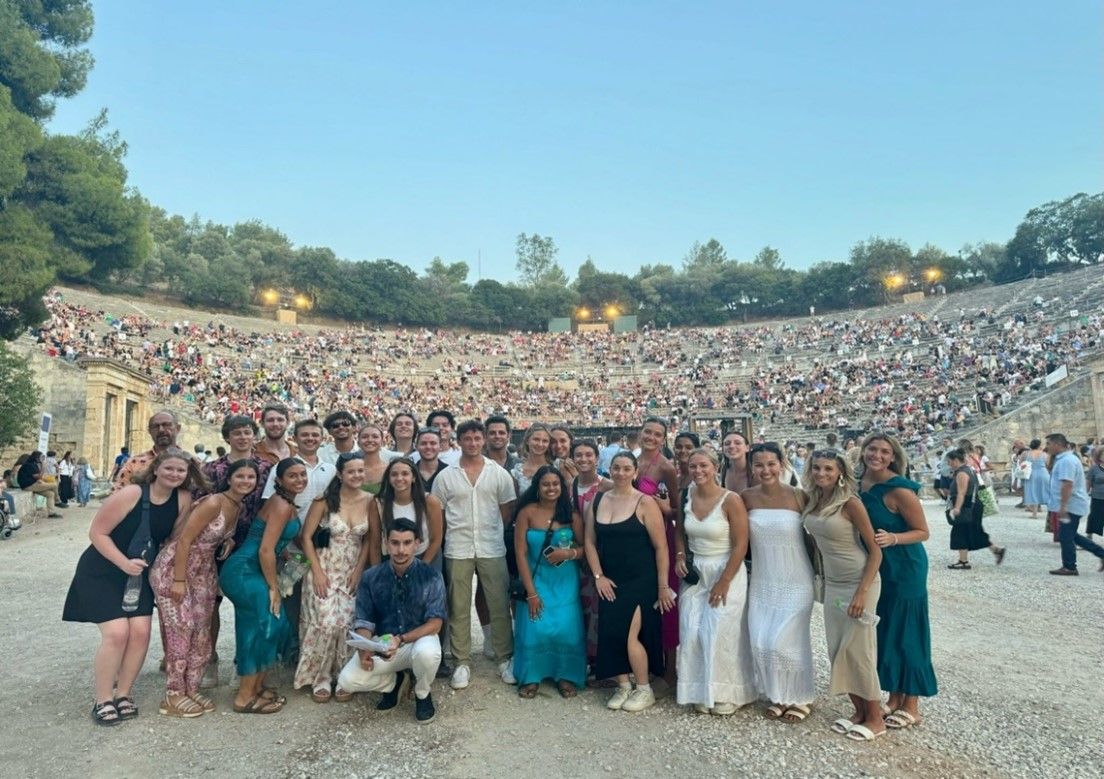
{"x":330,"y":586}
{"x":185,"y":586}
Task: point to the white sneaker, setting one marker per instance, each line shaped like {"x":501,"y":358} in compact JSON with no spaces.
{"x":618,"y":700}
{"x":639,"y":700}
{"x":723,"y":709}
{"x":506,"y":668}
{"x":461,"y":677}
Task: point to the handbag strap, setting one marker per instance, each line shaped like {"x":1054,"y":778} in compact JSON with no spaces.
{"x":141,"y":537}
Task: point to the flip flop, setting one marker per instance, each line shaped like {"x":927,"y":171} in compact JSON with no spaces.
{"x":841,"y":726}
{"x":863,"y":733}
{"x":775,"y":711}
{"x":259,"y":705}
{"x":528,"y":691}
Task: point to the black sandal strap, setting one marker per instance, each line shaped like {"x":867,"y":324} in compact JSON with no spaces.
{"x":126,"y":707}
{"x":102,"y":712}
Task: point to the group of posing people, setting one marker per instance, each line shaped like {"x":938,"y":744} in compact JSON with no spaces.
{"x":625,"y":577}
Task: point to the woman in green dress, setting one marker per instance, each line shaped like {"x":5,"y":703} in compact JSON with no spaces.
{"x":249,"y":580}
{"x":904,"y":635}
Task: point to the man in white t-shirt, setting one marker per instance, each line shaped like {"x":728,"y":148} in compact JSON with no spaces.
{"x":478,"y":497}
{"x":307,"y":435}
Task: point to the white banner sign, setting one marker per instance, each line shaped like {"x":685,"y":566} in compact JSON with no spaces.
{"x":1056,"y":375}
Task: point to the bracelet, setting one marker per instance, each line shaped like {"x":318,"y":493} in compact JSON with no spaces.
{"x":895,"y":540}
{"x":530,"y":597}
{"x":680,"y":554}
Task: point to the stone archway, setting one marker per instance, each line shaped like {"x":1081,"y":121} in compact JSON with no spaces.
{"x":118,"y":406}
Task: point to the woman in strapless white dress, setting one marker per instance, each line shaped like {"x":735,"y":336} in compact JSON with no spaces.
{"x":780,"y":598}
{"x":714,"y":657}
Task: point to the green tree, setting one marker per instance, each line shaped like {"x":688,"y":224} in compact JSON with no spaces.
{"x":64,"y":205}
{"x":982,"y":260}
{"x":598,"y":290}
{"x":25,"y":270}
{"x":881,"y":265}
{"x":41,"y":58}
{"x":769,"y":258}
{"x":19,"y":398}
{"x":1060,"y":233}
{"x":704,"y":259}
{"x":536,"y":260}
{"x":829,"y":286}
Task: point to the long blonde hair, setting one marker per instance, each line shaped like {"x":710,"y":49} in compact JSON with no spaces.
{"x":194,"y":481}
{"x":523,"y":450}
{"x":845,"y":488}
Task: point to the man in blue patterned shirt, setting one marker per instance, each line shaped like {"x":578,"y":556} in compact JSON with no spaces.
{"x":401,"y":601}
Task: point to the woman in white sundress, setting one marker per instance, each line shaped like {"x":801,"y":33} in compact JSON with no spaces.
{"x":715,"y":673}
{"x":780,"y":599}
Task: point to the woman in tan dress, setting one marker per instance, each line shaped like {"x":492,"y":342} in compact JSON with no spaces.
{"x":836,"y":518}
{"x":330,"y":586}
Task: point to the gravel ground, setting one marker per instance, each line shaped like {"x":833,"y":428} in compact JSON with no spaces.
{"x":1018,"y":654}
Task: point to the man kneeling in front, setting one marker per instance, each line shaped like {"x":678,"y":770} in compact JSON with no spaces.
{"x":403,"y":600}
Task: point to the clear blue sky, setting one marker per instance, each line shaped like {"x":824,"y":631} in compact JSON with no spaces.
{"x":625,"y":130}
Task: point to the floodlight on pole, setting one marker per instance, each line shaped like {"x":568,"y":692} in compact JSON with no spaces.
{"x":612,"y":312}
{"x":582,"y":313}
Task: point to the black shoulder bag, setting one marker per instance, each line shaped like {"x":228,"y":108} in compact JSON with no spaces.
{"x":140,"y":547}
{"x":517,"y":586}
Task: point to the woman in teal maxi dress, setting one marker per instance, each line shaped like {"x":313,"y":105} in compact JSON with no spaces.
{"x":904,"y":633}
{"x":248,"y":579}
{"x":549,"y":638}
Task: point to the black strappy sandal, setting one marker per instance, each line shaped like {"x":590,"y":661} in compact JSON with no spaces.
{"x":960,"y":566}
{"x":126,"y":707}
{"x":105,"y":714}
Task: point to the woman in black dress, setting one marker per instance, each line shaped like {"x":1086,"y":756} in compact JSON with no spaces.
{"x":96,"y":594}
{"x":626,"y":547}
{"x":964,"y":513}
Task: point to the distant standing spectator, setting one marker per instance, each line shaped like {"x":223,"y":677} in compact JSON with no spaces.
{"x":1037,"y":481}
{"x":964,"y":513}
{"x":1096,"y":494}
{"x":84,"y":476}
{"x":65,"y":478}
{"x":120,"y":461}
{"x":1070,"y":501}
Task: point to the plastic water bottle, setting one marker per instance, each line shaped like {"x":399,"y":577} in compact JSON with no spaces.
{"x":133,"y":591}
{"x":866,"y":618}
{"x":294,"y":570}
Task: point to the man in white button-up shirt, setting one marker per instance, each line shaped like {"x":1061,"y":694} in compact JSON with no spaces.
{"x":478,"y":496}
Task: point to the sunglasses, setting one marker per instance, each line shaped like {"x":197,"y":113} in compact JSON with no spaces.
{"x":340,"y":423}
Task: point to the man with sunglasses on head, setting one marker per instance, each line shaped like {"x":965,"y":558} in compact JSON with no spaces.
{"x":342,"y":427}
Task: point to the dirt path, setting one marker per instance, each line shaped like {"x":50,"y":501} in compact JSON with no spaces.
{"x":1018,"y":654}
